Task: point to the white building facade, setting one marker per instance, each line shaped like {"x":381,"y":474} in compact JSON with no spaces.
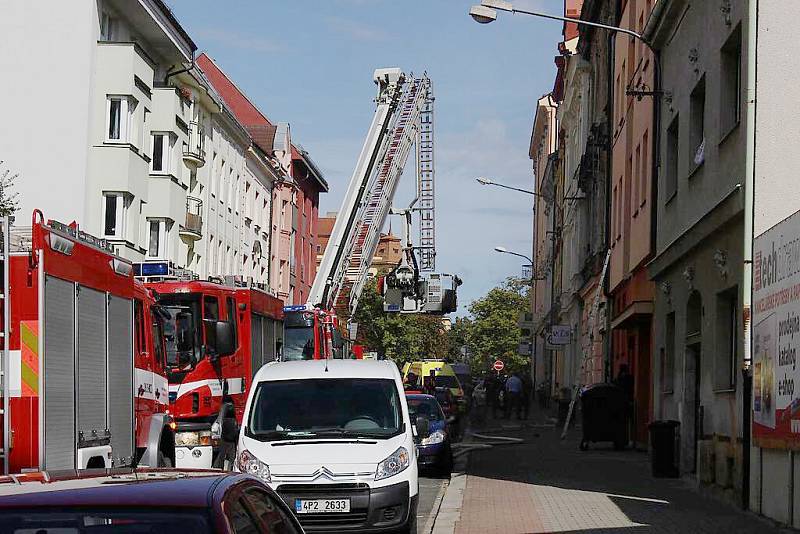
{"x":143,"y":152}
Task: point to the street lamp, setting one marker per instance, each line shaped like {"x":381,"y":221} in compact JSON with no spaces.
{"x":486,"y":12}
{"x":485,"y":181}
{"x":504,"y":250}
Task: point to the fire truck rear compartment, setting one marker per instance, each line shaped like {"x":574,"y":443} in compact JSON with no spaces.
{"x":88,"y":375}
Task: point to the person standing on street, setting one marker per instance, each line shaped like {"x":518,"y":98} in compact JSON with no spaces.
{"x":625,"y":382}
{"x":527,"y":393}
{"x":514,"y":396}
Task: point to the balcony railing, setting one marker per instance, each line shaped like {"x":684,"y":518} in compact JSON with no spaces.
{"x":192,"y":228}
{"x":194,"y":152}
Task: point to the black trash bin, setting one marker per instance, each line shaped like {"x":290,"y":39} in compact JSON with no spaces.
{"x":664,"y":448}
{"x":604,"y":419}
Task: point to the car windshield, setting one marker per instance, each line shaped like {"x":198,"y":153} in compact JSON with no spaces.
{"x":182,"y":332}
{"x":66,"y":521}
{"x":298,"y":343}
{"x":446,"y":381}
{"x":425,"y":407}
{"x":331,"y":407}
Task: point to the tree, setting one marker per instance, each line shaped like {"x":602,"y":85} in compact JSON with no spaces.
{"x":399,"y":337}
{"x":494,"y":331}
{"x":9,"y":201}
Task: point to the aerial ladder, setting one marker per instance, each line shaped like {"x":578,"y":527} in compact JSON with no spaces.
{"x":403,"y":117}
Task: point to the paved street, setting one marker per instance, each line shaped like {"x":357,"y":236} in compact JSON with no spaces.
{"x":429,"y":493}
{"x":546,"y":485}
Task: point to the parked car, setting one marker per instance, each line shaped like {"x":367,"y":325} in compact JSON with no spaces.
{"x":99,"y":501}
{"x":435,"y":451}
{"x":334,"y":439}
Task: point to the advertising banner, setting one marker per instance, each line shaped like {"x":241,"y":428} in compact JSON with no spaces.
{"x":776,"y":336}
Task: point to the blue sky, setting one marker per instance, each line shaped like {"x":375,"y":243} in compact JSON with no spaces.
{"x":310,"y":63}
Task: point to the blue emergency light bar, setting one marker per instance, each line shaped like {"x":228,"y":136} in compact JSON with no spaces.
{"x":295,"y":308}
{"x":154,"y":268}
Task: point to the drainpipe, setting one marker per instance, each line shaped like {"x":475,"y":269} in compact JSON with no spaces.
{"x":180,"y":71}
{"x":747,"y":267}
{"x":609,"y":341}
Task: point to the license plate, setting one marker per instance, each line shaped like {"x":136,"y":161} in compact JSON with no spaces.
{"x":321,"y":506}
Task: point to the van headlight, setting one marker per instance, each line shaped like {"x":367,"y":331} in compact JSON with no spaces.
{"x":434,"y":438}
{"x":396,"y":463}
{"x":246,"y":462}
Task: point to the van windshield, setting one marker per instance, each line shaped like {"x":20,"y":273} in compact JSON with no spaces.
{"x":446,"y":381}
{"x":327,"y":407}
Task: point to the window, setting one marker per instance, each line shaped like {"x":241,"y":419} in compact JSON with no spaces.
{"x":614,"y":214}
{"x":139,"y":335}
{"x":231,"y":304}
{"x":645,"y":172}
{"x":620,"y":199}
{"x":731,"y":82}
{"x":636,"y":181}
{"x":157,"y":237}
{"x":672,"y":157}
{"x":240,"y":519}
{"x":697,"y":110}
{"x":108,"y":27}
{"x":269,"y":511}
{"x":727,"y":339}
{"x":668,"y":353}
{"x":115,"y":210}
{"x":162,"y":147}
{"x":120,"y":125}
{"x":213,"y":184}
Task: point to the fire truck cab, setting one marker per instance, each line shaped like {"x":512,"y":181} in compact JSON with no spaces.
{"x":83,"y":381}
{"x":217,"y":337}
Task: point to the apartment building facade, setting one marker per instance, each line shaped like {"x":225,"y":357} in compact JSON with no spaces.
{"x":542,"y":152}
{"x":631,"y":213}
{"x":697,"y":267}
{"x":153,"y":160}
{"x":294,"y":199}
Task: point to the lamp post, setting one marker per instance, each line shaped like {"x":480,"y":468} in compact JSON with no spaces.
{"x":486,"y":12}
{"x":485,"y":181}
{"x":532,"y":341}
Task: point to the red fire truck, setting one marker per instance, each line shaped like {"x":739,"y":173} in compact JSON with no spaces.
{"x":217,"y":336}
{"x":83,"y":376}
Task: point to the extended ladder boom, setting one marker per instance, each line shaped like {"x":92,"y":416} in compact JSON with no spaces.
{"x":331,"y":267}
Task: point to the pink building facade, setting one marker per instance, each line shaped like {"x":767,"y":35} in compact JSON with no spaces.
{"x":632,"y":292}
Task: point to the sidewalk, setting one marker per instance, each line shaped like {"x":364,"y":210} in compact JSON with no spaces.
{"x":548,"y":485}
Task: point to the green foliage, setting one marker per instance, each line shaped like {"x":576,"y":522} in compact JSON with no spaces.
{"x":493,"y":331}
{"x":399,"y":337}
{"x":490,"y":333}
{"x":8,"y":198}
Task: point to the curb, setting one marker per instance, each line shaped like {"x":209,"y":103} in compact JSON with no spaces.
{"x":437,"y":504}
{"x":450,"y":509}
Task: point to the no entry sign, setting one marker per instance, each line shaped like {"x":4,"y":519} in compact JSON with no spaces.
{"x":499,"y":365}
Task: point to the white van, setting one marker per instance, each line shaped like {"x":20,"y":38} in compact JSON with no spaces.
{"x":334,"y":439}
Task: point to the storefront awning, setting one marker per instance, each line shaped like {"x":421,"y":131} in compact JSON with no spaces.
{"x":633,"y":315}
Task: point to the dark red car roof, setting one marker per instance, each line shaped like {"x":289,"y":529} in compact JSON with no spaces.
{"x":183,"y":488}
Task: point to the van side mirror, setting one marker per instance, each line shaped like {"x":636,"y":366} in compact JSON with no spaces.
{"x":225,"y":344}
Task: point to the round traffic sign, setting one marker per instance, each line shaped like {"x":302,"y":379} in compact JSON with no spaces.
{"x":499,"y":365}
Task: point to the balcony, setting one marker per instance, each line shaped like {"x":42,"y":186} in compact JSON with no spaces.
{"x":194,"y":152}
{"x":192,"y":229}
